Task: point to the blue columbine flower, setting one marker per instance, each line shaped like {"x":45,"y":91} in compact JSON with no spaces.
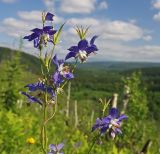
{"x":41,"y":36}
{"x":111,"y":123}
{"x":32,"y":87}
{"x":40,"y":86}
{"x":35,"y":86}
{"x":62,"y":72}
{"x":82,"y":50}
{"x":55,"y":149}
{"x":32,"y":99}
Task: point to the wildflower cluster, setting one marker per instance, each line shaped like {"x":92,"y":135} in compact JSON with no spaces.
{"x":46,"y":90}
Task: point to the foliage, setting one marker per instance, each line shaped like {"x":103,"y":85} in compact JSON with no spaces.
{"x":12,"y":73}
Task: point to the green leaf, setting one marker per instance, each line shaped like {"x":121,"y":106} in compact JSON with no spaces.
{"x":57,"y":35}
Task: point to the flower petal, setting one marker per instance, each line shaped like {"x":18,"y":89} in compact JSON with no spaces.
{"x":70,"y":54}
{"x":103,"y":129}
{"x":122,"y":117}
{"x":113,"y":134}
{"x":57,"y":78}
{"x":49,"y":16}
{"x":117,"y":130}
{"x":37,"y":30}
{"x":52,"y":32}
{"x":69,"y":76}
{"x":53,"y":147}
{"x":32,"y":87}
{"x":31,"y":37}
{"x":83,"y":44}
{"x":113,"y":112}
{"x":47,"y":28}
{"x":106,"y":120}
{"x":91,"y":49}
{"x":74,"y":49}
{"x":93,"y":39}
{"x":60,"y":146}
{"x":55,"y":61}
{"x":32,"y":99}
{"x":97,"y":124}
{"x":36,"y":42}
{"x":50,"y":91}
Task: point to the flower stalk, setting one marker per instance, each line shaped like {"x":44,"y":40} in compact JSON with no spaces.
{"x":47,"y":89}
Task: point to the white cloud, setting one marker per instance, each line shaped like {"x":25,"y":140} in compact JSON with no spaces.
{"x":120,"y":52}
{"x":30,"y":15}
{"x":49,"y":4}
{"x":120,"y":30}
{"x":147,"y":38}
{"x":15,"y":23}
{"x":112,"y":30}
{"x":21,"y":27}
{"x":85,"y":21}
{"x":8,"y":1}
{"x":156,"y":17}
{"x":156,"y":4}
{"x":103,"y":5}
{"x":74,"y":6}
{"x":16,"y":28}
{"x":35,"y":15}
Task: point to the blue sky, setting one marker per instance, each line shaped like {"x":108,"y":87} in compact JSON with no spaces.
{"x":129,"y":30}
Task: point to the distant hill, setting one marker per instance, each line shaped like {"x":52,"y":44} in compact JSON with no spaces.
{"x":32,"y":62}
{"x":118,"y":66}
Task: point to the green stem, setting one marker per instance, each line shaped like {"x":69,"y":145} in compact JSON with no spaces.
{"x":53,"y":114}
{"x":45,"y":121}
{"x":42,"y":62}
{"x":50,"y":59}
{"x":42,"y":134}
{"x":94,"y":141}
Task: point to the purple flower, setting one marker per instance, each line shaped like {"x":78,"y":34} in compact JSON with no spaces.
{"x":32,"y":99}
{"x":41,"y":36}
{"x":40,"y":86}
{"x":36,"y":86}
{"x":49,"y":16}
{"x":55,"y":149}
{"x":111,"y":123}
{"x":82,"y":50}
{"x":62,"y":72}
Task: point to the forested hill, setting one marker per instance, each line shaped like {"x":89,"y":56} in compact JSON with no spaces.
{"x":33,"y":63}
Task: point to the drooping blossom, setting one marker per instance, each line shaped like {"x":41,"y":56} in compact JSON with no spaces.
{"x":62,"y":72}
{"x":40,"y":86}
{"x":56,"y":149}
{"x":111,"y":123}
{"x":49,"y":16}
{"x":32,"y":99}
{"x":83,"y":49}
